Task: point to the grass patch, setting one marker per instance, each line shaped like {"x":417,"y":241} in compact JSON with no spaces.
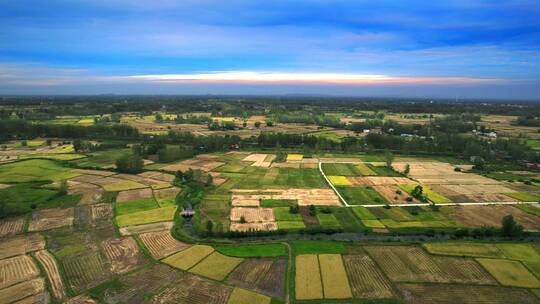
{"x":361,"y":196}
{"x":146,"y":217}
{"x":383,"y":170}
{"x":135,"y":206}
{"x":290,"y":225}
{"x":373,"y":224}
{"x":253,"y":250}
{"x":102,"y":158}
{"x":464,"y":249}
{"x":187,"y":258}
{"x":365,"y":170}
{"x":524,"y":196}
{"x":271,"y":203}
{"x":34,"y":170}
{"x":510,"y":273}
{"x":346,"y":219}
{"x":529,"y":209}
{"x":328,"y":220}
{"x":339,"y":180}
{"x":523,"y":252}
{"x":341,"y":169}
{"x":363,"y":213}
{"x":283,"y":214}
{"x":317,"y":247}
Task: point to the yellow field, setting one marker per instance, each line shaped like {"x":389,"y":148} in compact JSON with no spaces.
{"x":334,"y":277}
{"x":308,"y":278}
{"x":216,"y":266}
{"x":185,"y":259}
{"x":365,"y":170}
{"x":145,"y":217}
{"x":510,"y":273}
{"x":243,"y":296}
{"x":464,"y":249}
{"x":294,"y":157}
{"x":337,"y":180}
{"x":373,"y":224}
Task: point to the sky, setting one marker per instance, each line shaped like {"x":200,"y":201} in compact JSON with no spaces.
{"x":454,"y":49}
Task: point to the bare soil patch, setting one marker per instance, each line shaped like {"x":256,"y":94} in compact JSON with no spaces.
{"x":194,"y":164}
{"x":83,"y":216}
{"x":394,"y":194}
{"x":164,"y":177}
{"x":11,"y":226}
{"x":260,"y":160}
{"x":161,"y":244}
{"x":308,"y":218}
{"x":305,"y":197}
{"x":130,"y":230}
{"x":192,"y":289}
{"x":264,"y":275}
{"x":252,"y":214}
{"x":85,"y":270}
{"x":131,"y":195}
{"x":51,"y":268}
{"x":47,"y":219}
{"x":21,"y":245}
{"x":478,"y":216}
{"x":123,"y":253}
{"x":378,"y":180}
{"x":266,"y":226}
{"x":101,"y":212}
{"x":366,"y":279}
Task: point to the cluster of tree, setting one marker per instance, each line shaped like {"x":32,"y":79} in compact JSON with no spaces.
{"x":529,"y":121}
{"x":222,"y":126}
{"x":309,"y":118}
{"x":129,"y":163}
{"x":22,"y":129}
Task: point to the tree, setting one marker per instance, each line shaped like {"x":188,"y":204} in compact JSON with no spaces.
{"x":510,"y":227}
{"x":242,"y":220}
{"x":129,"y":163}
{"x":312,"y":210}
{"x":294,"y":209}
{"x":63,"y":189}
{"x":209,"y":180}
{"x":407,"y":169}
{"x":209,"y":227}
{"x":389,"y":158}
{"x":257,"y":124}
{"x":269,"y":123}
{"x":418,"y":192}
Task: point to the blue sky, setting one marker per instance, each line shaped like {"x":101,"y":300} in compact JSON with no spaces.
{"x":459,"y":48}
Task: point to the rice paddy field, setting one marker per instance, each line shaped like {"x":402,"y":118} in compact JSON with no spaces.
{"x":111,"y":238}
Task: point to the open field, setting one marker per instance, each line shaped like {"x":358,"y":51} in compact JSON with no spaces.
{"x":253,"y":250}
{"x":34,"y":170}
{"x":21,"y":245}
{"x":146,"y":217}
{"x":361,"y":195}
{"x":478,"y":216}
{"x":85,"y":270}
{"x":11,"y":226}
{"x":53,"y":273}
{"x":510,"y":273}
{"x":304,"y":197}
{"x":243,"y":296}
{"x":161,"y":244}
{"x":334,"y":277}
{"x":450,"y":294}
{"x":308,"y":278}
{"x":17,"y":269}
{"x":192,"y":289}
{"x":27,"y":289}
{"x":145,"y":228}
{"x":366,"y":279}
{"x":123,"y":254}
{"x":216,"y":266}
{"x":187,"y":258}
{"x":51,"y":218}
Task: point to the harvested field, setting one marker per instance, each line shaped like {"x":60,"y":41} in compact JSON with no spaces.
{"x":478,"y":216}
{"x":334,"y":277}
{"x":85,"y":270}
{"x":123,"y":185}
{"x":47,"y":219}
{"x":216,"y":266}
{"x":192,"y":289}
{"x":305,"y":197}
{"x":464,"y":249}
{"x":81,"y":299}
{"x":294,"y":157}
{"x":156,"y":184}
{"x":366,"y":279}
{"x":187,"y":258}
{"x":123,"y":254}
{"x":243,"y":296}
{"x":11,"y":226}
{"x":378,"y":180}
{"x":102,"y":211}
{"x":260,"y":160}
{"x":393,"y":194}
{"x":164,"y":177}
{"x":194,"y":164}
{"x":21,"y":245}
{"x":286,"y":165}
{"x":23,"y":290}
{"x":130,"y":230}
{"x":252,"y":215}
{"x":466,"y":294}
{"x":91,"y":193}
{"x":264,"y":275}
{"x":161,"y":244}
{"x":83,"y":216}
{"x":17,"y":269}
{"x":131,"y":195}
{"x":266,"y":226}
{"x":442,"y":173}
{"x":510,"y":273}
{"x":308,"y":278}
{"x":412,"y":264}
{"x":53,"y":273}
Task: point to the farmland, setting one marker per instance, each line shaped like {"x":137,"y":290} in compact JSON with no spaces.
{"x":264,"y":221}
